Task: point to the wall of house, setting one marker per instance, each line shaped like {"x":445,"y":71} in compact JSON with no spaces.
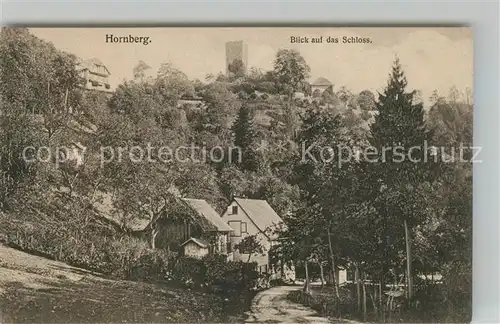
{"x":342,"y":276}
{"x":243,"y":226}
{"x":192,"y":249}
{"x":321,"y":88}
{"x":173,"y":233}
{"x":90,"y":77}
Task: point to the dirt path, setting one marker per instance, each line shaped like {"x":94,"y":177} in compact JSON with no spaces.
{"x":271,"y":306}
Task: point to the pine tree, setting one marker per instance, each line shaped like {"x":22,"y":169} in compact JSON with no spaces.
{"x":245,"y":137}
{"x":398,"y":134}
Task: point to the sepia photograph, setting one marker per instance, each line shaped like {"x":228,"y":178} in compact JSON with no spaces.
{"x":236,"y":174}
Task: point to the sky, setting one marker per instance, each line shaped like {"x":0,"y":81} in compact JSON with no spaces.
{"x":432,"y":58}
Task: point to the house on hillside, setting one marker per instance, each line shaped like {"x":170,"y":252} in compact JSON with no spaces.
{"x":95,"y":75}
{"x":320,"y":85}
{"x":191,"y":101}
{"x":208,"y":233}
{"x":255,"y":217}
{"x":195,"y":229}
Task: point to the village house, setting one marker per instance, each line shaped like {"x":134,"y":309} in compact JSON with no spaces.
{"x":209,"y":235}
{"x":320,"y":85}
{"x":191,"y":101}
{"x":255,"y":217}
{"x":95,"y":75}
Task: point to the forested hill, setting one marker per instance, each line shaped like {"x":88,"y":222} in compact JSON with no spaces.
{"x":269,"y":116}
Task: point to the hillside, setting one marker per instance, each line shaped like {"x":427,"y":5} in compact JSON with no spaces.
{"x":34,"y":289}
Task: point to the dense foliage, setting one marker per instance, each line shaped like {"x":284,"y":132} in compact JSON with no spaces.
{"x":388,"y":221}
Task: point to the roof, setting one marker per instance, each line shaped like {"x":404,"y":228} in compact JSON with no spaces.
{"x":259,"y":212}
{"x":204,"y":215}
{"x":199,"y":242}
{"x":90,"y":63}
{"x":204,"y":209}
{"x":321,"y":82}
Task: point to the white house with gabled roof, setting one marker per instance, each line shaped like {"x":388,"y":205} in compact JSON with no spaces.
{"x":254,"y":217}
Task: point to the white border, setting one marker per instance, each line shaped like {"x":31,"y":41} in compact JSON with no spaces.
{"x":482,"y":15}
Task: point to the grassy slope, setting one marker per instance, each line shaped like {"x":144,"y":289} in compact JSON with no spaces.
{"x":34,"y":289}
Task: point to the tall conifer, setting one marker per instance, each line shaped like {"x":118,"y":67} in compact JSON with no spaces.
{"x":245,"y":137}
{"x":398,"y":135}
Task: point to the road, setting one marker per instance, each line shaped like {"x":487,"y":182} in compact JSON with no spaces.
{"x":271,"y":306}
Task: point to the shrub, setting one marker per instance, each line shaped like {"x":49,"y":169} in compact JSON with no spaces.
{"x":214,"y":272}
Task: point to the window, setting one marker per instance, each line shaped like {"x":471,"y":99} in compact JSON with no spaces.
{"x":234,"y":210}
{"x":243,"y":227}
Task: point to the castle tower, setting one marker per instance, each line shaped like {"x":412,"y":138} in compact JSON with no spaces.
{"x":236,"y":51}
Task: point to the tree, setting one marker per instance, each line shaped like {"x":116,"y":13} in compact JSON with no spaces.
{"x":451,"y":123}
{"x":454,"y":94}
{"x":324,"y":184}
{"x":137,"y":100}
{"x":434,"y":97}
{"x":344,"y":95}
{"x":237,"y":68}
{"x":37,"y":83}
{"x":366,"y":100}
{"x":328,"y":97}
{"x":291,"y":71}
{"x":140,"y":71}
{"x":245,"y":137}
{"x":250,"y":245}
{"x":399,"y":124}
{"x":171,"y":84}
{"x":221,"y":104}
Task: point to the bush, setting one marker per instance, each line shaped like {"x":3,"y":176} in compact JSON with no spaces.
{"x":214,"y":272}
{"x":134,"y":260}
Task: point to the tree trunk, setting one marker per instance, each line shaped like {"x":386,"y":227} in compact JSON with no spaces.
{"x":409,"y":275}
{"x":332,"y":261}
{"x":381,"y":300}
{"x":373,"y":297}
{"x":66,"y":101}
{"x":358,"y":286}
{"x":322,"y":275}
{"x":365,"y":312}
{"x":306,"y":284}
{"x":282,"y":268}
{"x":154,"y":232}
